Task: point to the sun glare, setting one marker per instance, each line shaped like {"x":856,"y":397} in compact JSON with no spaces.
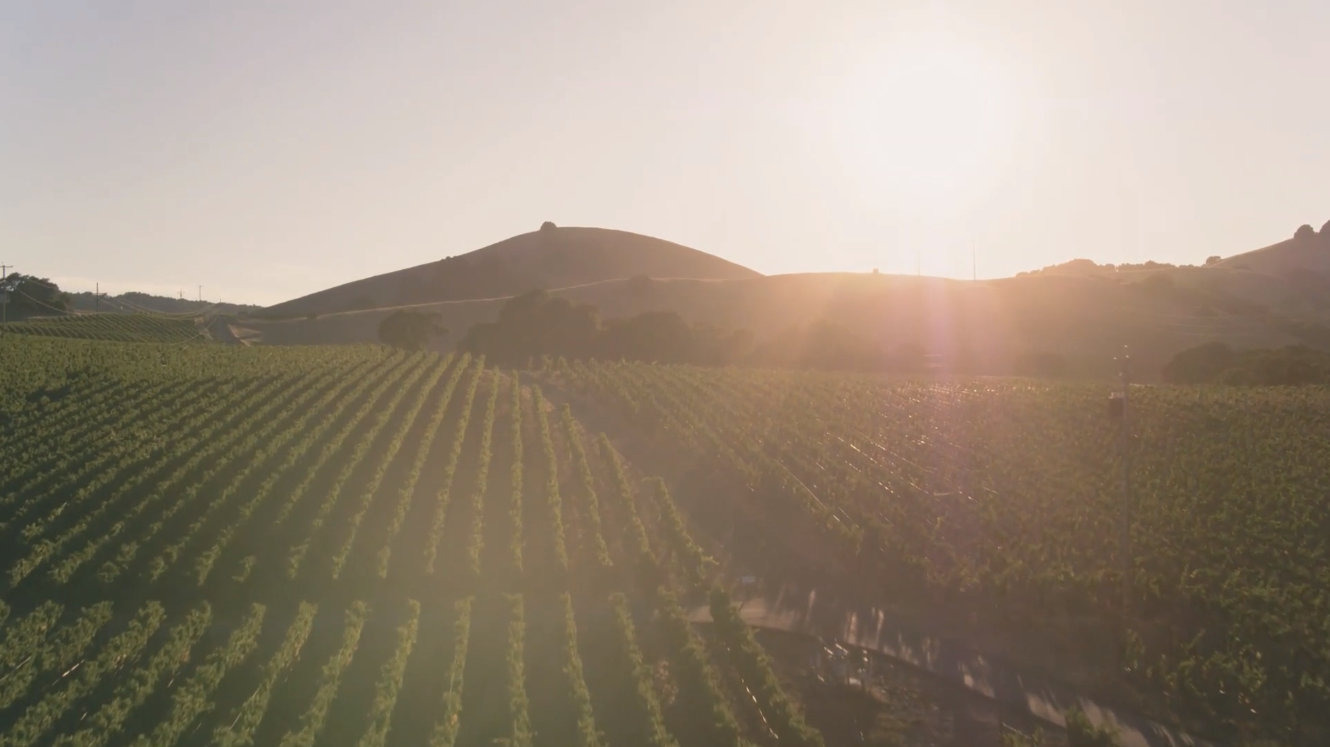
{"x":928,"y":120}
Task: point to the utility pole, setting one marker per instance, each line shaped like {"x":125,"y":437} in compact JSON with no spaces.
{"x":974,"y":263}
{"x":4,"y":271}
{"x":200,"y":294}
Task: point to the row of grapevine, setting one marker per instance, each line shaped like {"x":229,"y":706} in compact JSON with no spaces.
{"x":62,"y":452}
{"x":390,"y":681}
{"x":104,"y":469}
{"x":296,"y":556}
{"x":516,"y":478}
{"x":37,"y":721}
{"x":689,"y":558}
{"x":626,"y":500}
{"x":195,"y":696}
{"x":371,"y":488}
{"x":110,"y":327}
{"x":519,"y":734}
{"x":587,"y":735}
{"x":407,"y":490}
{"x":314,"y":718}
{"x":162,"y":459}
{"x":239,"y":731}
{"x":553,"y":501}
{"x":382,"y":393}
{"x":253,"y":455}
{"x":701,"y":706}
{"x":205,"y":561}
{"x":475,"y":538}
{"x":648,"y":719}
{"x":109,"y":719}
{"x":586,"y":487}
{"x":210,"y":461}
{"x":26,"y":635}
{"x":755,"y":668}
{"x":444,"y":733}
{"x":450,"y":470}
{"x":55,"y":654}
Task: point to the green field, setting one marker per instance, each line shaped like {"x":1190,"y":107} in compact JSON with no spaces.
{"x":225,"y":545}
{"x":207,"y":544}
{"x":1003,"y":499}
{"x":113,"y":327}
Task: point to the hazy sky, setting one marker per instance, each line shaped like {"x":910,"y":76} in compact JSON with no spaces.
{"x":269,"y":148}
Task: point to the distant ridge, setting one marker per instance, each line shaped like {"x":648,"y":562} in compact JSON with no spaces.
{"x":548,"y":258}
{"x":1310,"y":251}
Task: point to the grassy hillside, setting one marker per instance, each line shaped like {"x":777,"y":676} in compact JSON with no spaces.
{"x":1307,"y":253}
{"x":1079,"y":312}
{"x":551,"y":258}
{"x":991,"y":323}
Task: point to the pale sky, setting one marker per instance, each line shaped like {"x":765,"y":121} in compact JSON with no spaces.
{"x":269,"y":148}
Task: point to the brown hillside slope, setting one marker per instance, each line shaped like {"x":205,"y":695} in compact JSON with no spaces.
{"x":1310,"y":253}
{"x":553,"y":258}
{"x":993,"y":323}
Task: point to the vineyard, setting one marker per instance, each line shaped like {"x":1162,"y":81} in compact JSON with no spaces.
{"x":212,"y":545}
{"x":111,"y":326}
{"x":1004,"y":499}
{"x":217,"y":545}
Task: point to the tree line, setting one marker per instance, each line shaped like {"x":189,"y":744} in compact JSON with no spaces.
{"x":537,"y":324}
{"x":1217,"y":363}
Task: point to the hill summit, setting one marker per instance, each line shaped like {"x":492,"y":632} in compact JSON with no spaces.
{"x":551,"y":257}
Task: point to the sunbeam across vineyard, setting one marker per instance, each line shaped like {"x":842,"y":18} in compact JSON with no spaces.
{"x":326,"y":545}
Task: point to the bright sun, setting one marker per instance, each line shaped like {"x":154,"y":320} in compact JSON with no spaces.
{"x":929,"y":120}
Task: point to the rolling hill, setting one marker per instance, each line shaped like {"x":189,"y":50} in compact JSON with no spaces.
{"x":992,"y":324}
{"x":548,"y":258}
{"x":1079,"y":313}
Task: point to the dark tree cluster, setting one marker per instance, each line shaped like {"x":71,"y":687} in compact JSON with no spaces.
{"x":410,"y":330}
{"x":537,"y":324}
{"x":829,"y":345}
{"x":33,"y":296}
{"x":1217,"y":363}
